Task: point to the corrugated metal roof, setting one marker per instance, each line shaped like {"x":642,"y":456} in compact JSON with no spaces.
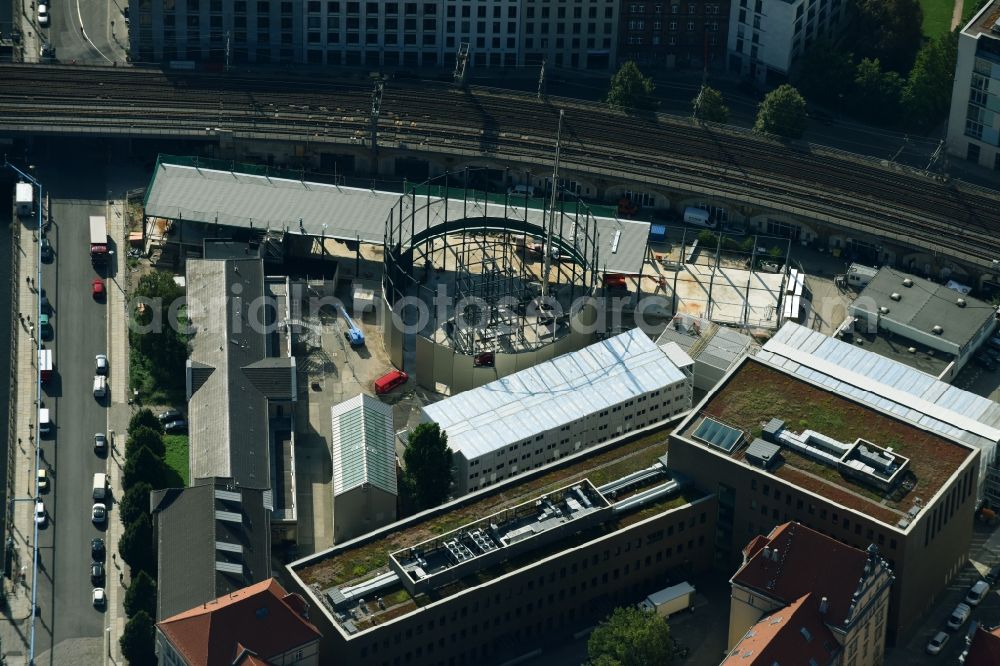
{"x":553,"y":393}
{"x":362,"y":445}
{"x":243,"y":200}
{"x":889,"y":385}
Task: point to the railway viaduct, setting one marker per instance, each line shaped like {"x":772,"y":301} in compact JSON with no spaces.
{"x":914,"y":219}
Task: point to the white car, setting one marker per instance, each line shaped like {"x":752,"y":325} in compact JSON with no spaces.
{"x":43,"y":15}
{"x":100,"y":442}
{"x":99,"y":513}
{"x":977,"y":593}
{"x":43,"y":480}
{"x":40,"y":512}
{"x":102,"y":364}
{"x":937,"y":642}
{"x":98,"y":597}
{"x":959,"y":616}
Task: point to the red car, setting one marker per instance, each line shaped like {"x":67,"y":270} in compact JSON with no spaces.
{"x":389,"y":381}
{"x":97,"y":288}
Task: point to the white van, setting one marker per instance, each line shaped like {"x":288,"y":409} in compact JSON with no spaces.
{"x":100,"y":386}
{"x":698,"y":217}
{"x":100,"y":485}
{"x":44,"y":421}
{"x":521,"y":190}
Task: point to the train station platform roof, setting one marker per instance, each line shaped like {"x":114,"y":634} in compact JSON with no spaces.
{"x":258,"y":201}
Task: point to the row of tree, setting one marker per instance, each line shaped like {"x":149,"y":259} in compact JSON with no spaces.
{"x":144,"y":471}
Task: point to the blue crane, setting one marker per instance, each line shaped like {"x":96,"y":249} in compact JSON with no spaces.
{"x":353,"y":333}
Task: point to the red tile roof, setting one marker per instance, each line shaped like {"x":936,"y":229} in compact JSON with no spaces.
{"x":791,"y":635}
{"x":257,"y":622}
{"x":754,"y":546}
{"x":807,"y":562}
{"x":984,"y":650}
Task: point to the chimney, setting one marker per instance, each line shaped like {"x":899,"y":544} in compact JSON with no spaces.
{"x":774,"y":554}
{"x":823,"y":606}
{"x":767,"y":552}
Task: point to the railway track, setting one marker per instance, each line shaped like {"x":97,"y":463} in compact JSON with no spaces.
{"x":956,"y":219}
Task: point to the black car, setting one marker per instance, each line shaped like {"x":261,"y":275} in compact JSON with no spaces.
{"x":97,"y":573}
{"x":984,"y":361}
{"x":176,"y":426}
{"x":97,"y":549}
{"x":46,"y":250}
{"x":994,"y":575}
{"x":169,"y":415}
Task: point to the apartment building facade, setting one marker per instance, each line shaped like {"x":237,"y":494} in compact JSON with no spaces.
{"x":666,"y":35}
{"x":974,"y":120}
{"x":768,"y":35}
{"x":497,"y":33}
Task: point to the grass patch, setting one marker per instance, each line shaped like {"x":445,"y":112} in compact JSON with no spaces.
{"x":176,"y":459}
{"x":937,"y":16}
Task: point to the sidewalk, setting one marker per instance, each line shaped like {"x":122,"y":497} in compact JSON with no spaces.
{"x":119,"y":414}
{"x":15,"y":622}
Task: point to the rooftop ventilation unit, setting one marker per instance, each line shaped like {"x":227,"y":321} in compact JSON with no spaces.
{"x":960,"y":302}
{"x":996,"y":28}
{"x":907,"y":282}
{"x":895,"y":296}
{"x":937,"y":330}
{"x":883,"y":310}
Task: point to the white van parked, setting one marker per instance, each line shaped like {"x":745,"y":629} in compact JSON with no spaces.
{"x":44,"y":421}
{"x":100,"y":386}
{"x":100,"y":485}
{"x":521,"y":190}
{"x":698,"y":217}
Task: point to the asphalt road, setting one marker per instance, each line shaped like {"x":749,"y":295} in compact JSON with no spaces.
{"x":80,"y":332}
{"x":94,"y":43}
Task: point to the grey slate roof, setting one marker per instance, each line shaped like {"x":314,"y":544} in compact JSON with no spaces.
{"x":210,"y":541}
{"x":924,"y":305}
{"x":244,"y":200}
{"x":362,"y":445}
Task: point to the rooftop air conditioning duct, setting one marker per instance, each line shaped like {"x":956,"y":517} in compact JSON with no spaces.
{"x":912,"y":350}
{"x":895,"y":296}
{"x":907,"y":282}
{"x":960,"y":302}
{"x":884,"y":310}
{"x":937,"y":330}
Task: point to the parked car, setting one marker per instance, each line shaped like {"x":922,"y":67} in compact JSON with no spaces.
{"x":937,"y":642}
{"x":46,"y":248}
{"x":985,"y":362}
{"x":100,"y":442}
{"x":97,"y":549}
{"x":176,"y":426}
{"x":170,"y":415}
{"x":40,"y":512}
{"x":994,"y":575}
{"x":977,"y":593}
{"x":99,"y":514}
{"x":97,"y":289}
{"x":101,"y":361}
{"x":43,"y":15}
{"x":98,"y":597}
{"x":959,"y":616}
{"x":43,"y":480}
{"x":97,"y":573}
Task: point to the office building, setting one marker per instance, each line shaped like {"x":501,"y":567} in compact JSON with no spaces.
{"x":259,"y":625}
{"x":803,"y":597}
{"x":496,"y":33}
{"x":557,"y":408}
{"x":974,"y":120}
{"x":766,"y":36}
{"x":777,"y":444}
{"x":663,"y":35}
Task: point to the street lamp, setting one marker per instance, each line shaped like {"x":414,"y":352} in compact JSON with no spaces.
{"x":323,"y":239}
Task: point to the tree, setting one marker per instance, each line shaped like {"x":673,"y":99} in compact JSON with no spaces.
{"x":709,"y":106}
{"x":143,"y":466}
{"x":157,"y":340}
{"x":630,"y":90}
{"x":927,"y":94}
{"x":877,"y":93}
{"x":135,"y":503}
{"x":144,"y":437}
{"x":137,"y":640}
{"x":631,"y":637}
{"x":825,"y":73}
{"x":145,"y":417}
{"x":783,"y":112}
{"x":428,"y":461}
{"x":887,"y":30}
{"x":141,"y":595}
{"x":137,"y":548}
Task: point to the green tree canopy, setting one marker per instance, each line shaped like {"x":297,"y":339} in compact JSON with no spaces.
{"x":141,"y":595}
{"x":709,"y":106}
{"x":145,"y":417}
{"x":135,"y":503}
{"x":137,"y":640}
{"x":631,"y":637}
{"x":137,"y":548}
{"x":825,"y":73}
{"x":887,"y":30}
{"x":783,"y":113}
{"x":428,"y":461}
{"x":146,"y":466}
{"x":630,"y":90}
{"x":144,"y":437}
{"x":877,"y":93}
{"x":927,"y":94}
{"x":154,"y":334}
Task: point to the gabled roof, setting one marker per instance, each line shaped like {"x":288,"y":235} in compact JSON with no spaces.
{"x":807,"y":562}
{"x":789,"y":636}
{"x":362,"y":445}
{"x":248,"y":626}
{"x":984,"y":650}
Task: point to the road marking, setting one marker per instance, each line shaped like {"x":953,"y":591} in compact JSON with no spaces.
{"x":83,"y":30}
